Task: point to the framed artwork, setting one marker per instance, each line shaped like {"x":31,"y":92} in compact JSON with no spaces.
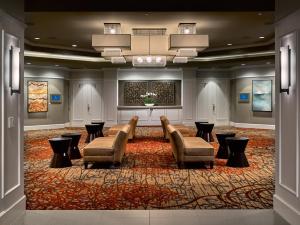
{"x":244,"y":97}
{"x":37,"y":96}
{"x":262,"y":95}
{"x":55,"y":98}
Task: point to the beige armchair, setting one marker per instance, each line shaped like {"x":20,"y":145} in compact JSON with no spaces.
{"x":190,"y":149}
{"x":184,"y":130}
{"x":107,"y":149}
{"x":133,"y":123}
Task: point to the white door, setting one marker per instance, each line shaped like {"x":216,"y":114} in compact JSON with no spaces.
{"x":86,"y":105}
{"x":212,"y":102}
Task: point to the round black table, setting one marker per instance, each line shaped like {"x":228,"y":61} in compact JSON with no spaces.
{"x":223,"y":148}
{"x":60,"y":147}
{"x":199,"y":128}
{"x":92,"y":130}
{"x":206,"y":131}
{"x":74,"y":152}
{"x":100,"y":128}
{"x":237,"y":146}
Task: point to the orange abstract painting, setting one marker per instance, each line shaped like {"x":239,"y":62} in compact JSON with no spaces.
{"x":37,"y":96}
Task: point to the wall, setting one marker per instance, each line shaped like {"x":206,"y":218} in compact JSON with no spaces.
{"x":12,"y":198}
{"x":58,"y":83}
{"x":242,"y":82}
{"x":287,"y":189}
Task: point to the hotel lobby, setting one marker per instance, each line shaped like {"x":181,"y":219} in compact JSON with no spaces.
{"x":163,"y":113}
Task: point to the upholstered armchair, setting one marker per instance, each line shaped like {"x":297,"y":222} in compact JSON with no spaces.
{"x":133,"y":123}
{"x":190,"y":149}
{"x":107,"y":149}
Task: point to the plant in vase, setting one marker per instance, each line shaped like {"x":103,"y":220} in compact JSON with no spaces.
{"x":149,"y":98}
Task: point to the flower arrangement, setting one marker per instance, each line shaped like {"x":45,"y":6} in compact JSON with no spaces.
{"x":149,"y":98}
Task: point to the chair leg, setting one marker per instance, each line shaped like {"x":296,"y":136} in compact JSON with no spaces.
{"x":211,"y":164}
{"x":181,"y":165}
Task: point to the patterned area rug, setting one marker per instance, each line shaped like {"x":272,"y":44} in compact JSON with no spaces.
{"x":149,"y":177}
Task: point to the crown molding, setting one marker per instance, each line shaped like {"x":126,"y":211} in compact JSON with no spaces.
{"x":235,"y":47}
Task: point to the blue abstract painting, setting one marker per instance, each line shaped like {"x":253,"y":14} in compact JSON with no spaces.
{"x":262,"y":95}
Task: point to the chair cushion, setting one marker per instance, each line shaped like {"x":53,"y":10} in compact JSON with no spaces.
{"x":100,"y":147}
{"x":197,"y":147}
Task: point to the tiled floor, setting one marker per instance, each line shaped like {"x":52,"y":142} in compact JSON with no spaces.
{"x":153,"y":217}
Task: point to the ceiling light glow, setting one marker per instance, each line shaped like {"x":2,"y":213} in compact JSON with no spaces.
{"x":140,"y":59}
{"x":149,"y":59}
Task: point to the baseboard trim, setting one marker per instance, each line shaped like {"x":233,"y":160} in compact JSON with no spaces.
{"x":253,"y":125}
{"x":45,"y":127}
{"x":289,"y":213}
{"x":14,"y":215}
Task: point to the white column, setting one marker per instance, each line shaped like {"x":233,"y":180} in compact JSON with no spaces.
{"x":12,"y":198}
{"x":287,"y":191}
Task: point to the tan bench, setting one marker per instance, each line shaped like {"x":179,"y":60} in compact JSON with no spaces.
{"x":184,"y":130}
{"x":133,"y":123}
{"x":107,"y":149}
{"x":190,"y":149}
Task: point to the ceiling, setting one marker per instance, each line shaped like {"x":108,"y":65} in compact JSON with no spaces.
{"x":58,"y":31}
{"x":153,"y":5}
{"x":63,"y":29}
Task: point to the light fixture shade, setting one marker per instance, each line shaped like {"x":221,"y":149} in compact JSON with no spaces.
{"x":180,"y":59}
{"x":122,"y":41}
{"x":187,"y":28}
{"x":15,"y":76}
{"x":200,"y":42}
{"x":112,"y":52}
{"x":149,"y":61}
{"x":285,"y":69}
{"x":118,"y":60}
{"x":112,"y":28}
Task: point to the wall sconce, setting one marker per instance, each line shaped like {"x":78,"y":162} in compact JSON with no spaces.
{"x":15,"y":75}
{"x":285,"y":69}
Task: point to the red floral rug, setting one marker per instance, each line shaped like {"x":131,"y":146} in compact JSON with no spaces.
{"x":149,"y":177}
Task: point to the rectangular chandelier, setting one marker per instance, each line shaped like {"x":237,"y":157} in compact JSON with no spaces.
{"x":149,"y":61}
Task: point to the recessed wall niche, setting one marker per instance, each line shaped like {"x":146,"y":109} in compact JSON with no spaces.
{"x":168,"y":92}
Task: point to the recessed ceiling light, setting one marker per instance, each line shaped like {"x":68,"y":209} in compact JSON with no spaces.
{"x":260,"y":14}
{"x":243,"y":64}
{"x":268,"y":63}
{"x":229,"y":44}
{"x":158,"y":59}
{"x":56,"y":65}
{"x":37,"y":38}
{"x":74,"y":46}
{"x":261,"y":37}
{"x":28,"y":63}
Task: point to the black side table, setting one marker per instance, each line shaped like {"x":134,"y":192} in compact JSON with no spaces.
{"x":60,"y":147}
{"x":199,"y":128}
{"x":92,"y":130}
{"x":207,"y":131}
{"x":100,"y":128}
{"x":74,"y":150}
{"x":223,"y":148}
{"x":237,"y":146}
